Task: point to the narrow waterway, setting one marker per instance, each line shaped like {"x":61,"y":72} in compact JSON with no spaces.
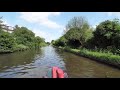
{"x":35,"y":64}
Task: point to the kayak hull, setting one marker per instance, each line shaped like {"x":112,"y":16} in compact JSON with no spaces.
{"x":55,"y":72}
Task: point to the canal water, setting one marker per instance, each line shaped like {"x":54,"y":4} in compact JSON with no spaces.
{"x":36,"y":63}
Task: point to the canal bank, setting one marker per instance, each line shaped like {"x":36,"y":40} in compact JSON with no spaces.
{"x":102,"y":57}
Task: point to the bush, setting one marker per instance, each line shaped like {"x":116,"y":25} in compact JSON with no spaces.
{"x":6,"y":41}
{"x":20,"y":47}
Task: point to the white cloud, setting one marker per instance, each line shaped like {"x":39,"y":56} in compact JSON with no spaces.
{"x":113,"y":14}
{"x":6,"y":23}
{"x":48,"y":37}
{"x":41,"y":18}
{"x":94,"y":26}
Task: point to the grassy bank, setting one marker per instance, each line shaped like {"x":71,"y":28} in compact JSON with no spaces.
{"x":107,"y":58}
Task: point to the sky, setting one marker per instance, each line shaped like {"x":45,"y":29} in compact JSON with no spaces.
{"x":50,"y":25}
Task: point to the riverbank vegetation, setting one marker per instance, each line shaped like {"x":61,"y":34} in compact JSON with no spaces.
{"x":20,"y":39}
{"x":101,"y":43}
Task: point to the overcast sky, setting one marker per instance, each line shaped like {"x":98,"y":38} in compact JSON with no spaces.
{"x":50,"y":25}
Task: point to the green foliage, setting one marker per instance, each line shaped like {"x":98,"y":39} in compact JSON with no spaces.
{"x":6,"y":41}
{"x":52,"y":41}
{"x":20,"y":47}
{"x":48,"y":43}
{"x":23,"y":35}
{"x":43,"y":44}
{"x":38,"y":41}
{"x":107,"y":33}
{"x":76,"y":22}
{"x":21,"y":39}
{"x":103,"y":44}
{"x":26,"y":37}
{"x":62,"y":41}
{"x":77,"y":33}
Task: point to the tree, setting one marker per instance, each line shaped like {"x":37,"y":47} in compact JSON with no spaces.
{"x":76,"y":22}
{"x":48,"y":43}
{"x":52,"y":41}
{"x":107,"y":33}
{"x":7,"y":41}
{"x":16,"y":27}
{"x":73,"y":37}
{"x":62,"y":41}
{"x":38,"y":41}
{"x":78,"y":31}
{"x":21,"y":39}
{"x":23,"y":36}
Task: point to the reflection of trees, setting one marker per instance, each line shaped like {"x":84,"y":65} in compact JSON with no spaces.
{"x":18,"y":58}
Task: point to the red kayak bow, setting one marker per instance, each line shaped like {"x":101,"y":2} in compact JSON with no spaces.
{"x":56,"y":72}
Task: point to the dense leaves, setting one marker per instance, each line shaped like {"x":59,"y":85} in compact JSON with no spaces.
{"x":20,"y":39}
{"x":7,"y":41}
{"x":62,"y":41}
{"x":107,"y":34}
{"x":23,"y":35}
{"x":78,"y":33}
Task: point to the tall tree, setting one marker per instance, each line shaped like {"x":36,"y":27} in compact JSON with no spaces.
{"x":107,"y":33}
{"x":78,"y":31}
{"x":23,"y":35}
{"x":76,"y":22}
{"x":7,"y":41}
